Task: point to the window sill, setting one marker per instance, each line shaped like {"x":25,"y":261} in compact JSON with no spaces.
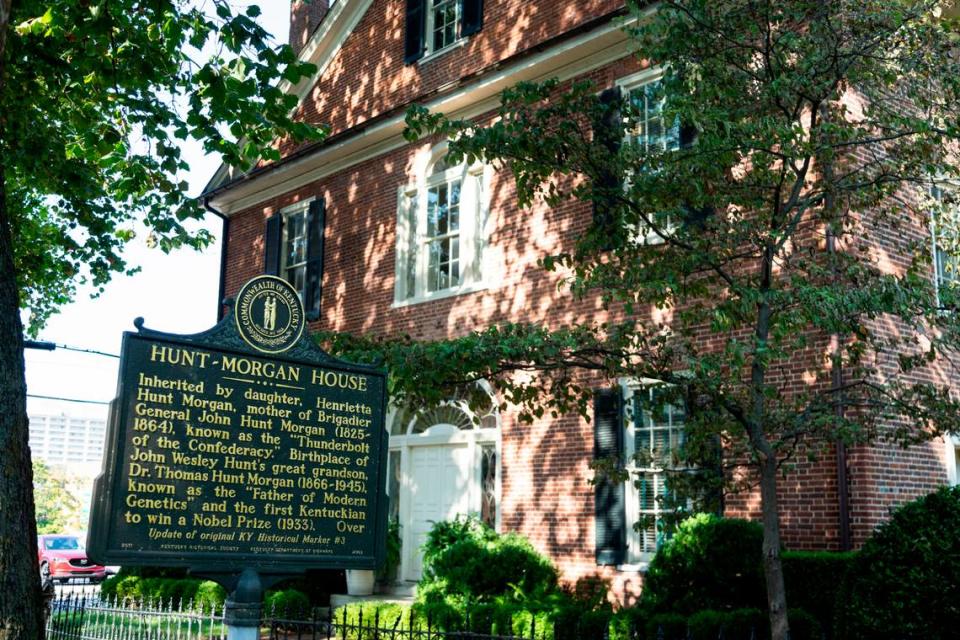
{"x":440,"y":295}
{"x":636,"y":567}
{"x":433,"y":55}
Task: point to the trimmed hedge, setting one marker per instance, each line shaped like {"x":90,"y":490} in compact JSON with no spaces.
{"x":815,"y":582}
{"x":467,"y":559}
{"x":711,"y":563}
{"x":204,"y":594}
{"x":714,"y":564}
{"x":288,"y":603}
{"x":906,"y":581}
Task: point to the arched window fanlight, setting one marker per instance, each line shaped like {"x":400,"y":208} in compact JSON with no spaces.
{"x":470,"y":407}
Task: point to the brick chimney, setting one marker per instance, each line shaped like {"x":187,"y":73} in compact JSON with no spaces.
{"x":305,"y":17}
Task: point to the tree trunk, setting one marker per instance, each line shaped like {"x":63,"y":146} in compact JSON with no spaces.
{"x":20,"y":607}
{"x":21,"y":613}
{"x":5,"y":8}
{"x":772,"y":564}
{"x":769,"y":504}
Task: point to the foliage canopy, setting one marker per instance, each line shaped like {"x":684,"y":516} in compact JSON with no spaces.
{"x":97,"y":98}
{"x":793,"y":229}
{"x":57,"y":509}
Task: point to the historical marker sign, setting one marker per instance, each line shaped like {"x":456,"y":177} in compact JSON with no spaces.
{"x":245,"y":445}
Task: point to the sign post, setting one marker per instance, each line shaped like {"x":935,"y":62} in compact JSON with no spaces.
{"x":244,"y":608}
{"x":244,"y":453}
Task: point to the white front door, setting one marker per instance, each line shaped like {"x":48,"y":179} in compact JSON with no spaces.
{"x":438,"y":489}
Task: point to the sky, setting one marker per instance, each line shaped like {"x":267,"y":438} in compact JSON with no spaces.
{"x":175,"y":292}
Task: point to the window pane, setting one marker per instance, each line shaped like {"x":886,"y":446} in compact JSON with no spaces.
{"x":650,"y":132}
{"x":454,"y":274}
{"x":393,"y":485}
{"x":657,"y":436}
{"x":488,"y":486}
{"x":445,"y":22}
{"x":436,"y":198}
{"x":296,"y":277}
{"x":642,"y":441}
{"x":454,"y":207}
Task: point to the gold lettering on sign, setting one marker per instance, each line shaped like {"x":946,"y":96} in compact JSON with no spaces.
{"x":228,"y":453}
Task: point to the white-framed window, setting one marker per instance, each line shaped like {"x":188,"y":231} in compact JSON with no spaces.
{"x":654,"y":435}
{"x":293,"y":257}
{"x":648,"y":130}
{"x":952,"y":460}
{"x":441,"y":231}
{"x":944,"y":221}
{"x":443,"y":24}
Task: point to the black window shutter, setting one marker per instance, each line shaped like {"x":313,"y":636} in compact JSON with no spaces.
{"x":272,"y":249}
{"x":688,"y":135}
{"x":609,"y":500}
{"x":416,"y":25}
{"x":608,"y":131}
{"x":313,"y":283}
{"x":472,"y":17}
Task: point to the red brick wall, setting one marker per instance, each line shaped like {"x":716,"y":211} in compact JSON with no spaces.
{"x":305,"y":17}
{"x":546,"y":493}
{"x":368,"y":76}
{"x":885,"y":475}
{"x":545,"y":476}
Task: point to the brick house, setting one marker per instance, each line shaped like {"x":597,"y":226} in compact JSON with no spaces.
{"x":353,"y":223}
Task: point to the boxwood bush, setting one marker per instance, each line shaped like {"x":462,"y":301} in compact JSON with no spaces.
{"x":467,"y":559}
{"x":710,"y":563}
{"x":815,"y":582}
{"x":288,"y":603}
{"x":906,"y":581}
{"x":204,"y":594}
{"x":714,"y":564}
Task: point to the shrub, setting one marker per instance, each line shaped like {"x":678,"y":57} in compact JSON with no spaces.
{"x":467,"y":559}
{"x":287,"y":602}
{"x":804,"y":626}
{"x":904,"y":584}
{"x":108,"y":588}
{"x":628,"y":623}
{"x":711,"y":563}
{"x":666,"y":626}
{"x":391,"y":561}
{"x":739,"y":624}
{"x":209,"y":595}
{"x":364,"y":615}
{"x":131,"y":588}
{"x":814,"y":582}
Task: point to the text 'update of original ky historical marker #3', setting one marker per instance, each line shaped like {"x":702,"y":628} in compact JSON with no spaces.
{"x":245,"y":445}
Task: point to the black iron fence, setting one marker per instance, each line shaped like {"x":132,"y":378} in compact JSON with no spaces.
{"x":85,"y":616}
{"x":343,"y":626}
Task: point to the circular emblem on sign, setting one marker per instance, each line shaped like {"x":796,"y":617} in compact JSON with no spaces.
{"x":269,"y":314}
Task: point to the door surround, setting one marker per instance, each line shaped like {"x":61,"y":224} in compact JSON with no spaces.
{"x":453,"y":425}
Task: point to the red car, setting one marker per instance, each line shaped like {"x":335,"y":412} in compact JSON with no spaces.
{"x":62,"y":557}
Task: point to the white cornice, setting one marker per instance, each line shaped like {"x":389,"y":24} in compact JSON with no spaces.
{"x":566,"y":60}
{"x":320,"y":50}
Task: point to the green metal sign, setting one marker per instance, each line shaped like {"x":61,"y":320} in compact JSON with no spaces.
{"x":245,"y":446}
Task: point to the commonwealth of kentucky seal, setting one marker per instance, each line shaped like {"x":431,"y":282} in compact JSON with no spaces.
{"x":269,"y":314}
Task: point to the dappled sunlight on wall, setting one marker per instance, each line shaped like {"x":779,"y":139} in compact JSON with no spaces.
{"x":368,"y":77}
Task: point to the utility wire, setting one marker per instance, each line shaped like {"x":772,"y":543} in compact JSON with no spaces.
{"x":31,"y":395}
{"x":93,"y":351}
{"x":50,"y":346}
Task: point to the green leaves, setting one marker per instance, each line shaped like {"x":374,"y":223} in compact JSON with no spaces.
{"x":39,"y":26}
{"x":791,"y":236}
{"x":97,"y":99}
